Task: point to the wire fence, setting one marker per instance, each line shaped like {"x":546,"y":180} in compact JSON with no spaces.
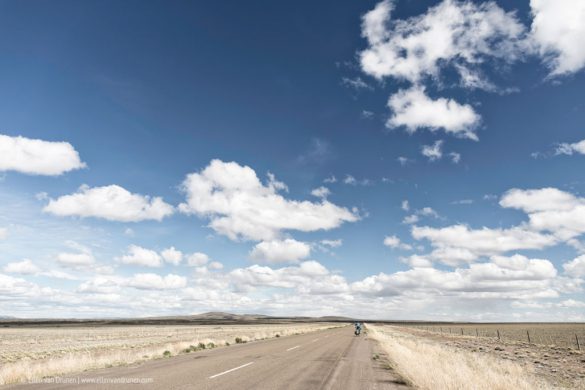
{"x":562,"y":335}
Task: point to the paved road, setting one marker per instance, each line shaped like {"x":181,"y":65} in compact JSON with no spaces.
{"x":329,"y":359}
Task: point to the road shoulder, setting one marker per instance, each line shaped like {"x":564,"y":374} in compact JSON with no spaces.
{"x":364,"y":366}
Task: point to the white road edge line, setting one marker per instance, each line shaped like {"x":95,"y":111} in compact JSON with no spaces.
{"x":233,"y":369}
{"x":290,"y":349}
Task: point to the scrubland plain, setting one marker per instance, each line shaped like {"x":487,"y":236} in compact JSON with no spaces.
{"x":31,"y":353}
{"x":553,"y":334}
{"x":434,"y":360}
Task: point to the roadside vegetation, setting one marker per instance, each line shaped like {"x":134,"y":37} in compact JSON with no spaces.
{"x":28,"y":354}
{"x":567,"y":335}
{"x":426,"y":364}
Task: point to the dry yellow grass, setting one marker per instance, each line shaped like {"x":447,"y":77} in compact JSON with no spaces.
{"x":33,"y":353}
{"x":428,"y":365}
{"x":553,"y":334}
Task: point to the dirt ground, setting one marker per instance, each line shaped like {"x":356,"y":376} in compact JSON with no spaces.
{"x":560,"y":366}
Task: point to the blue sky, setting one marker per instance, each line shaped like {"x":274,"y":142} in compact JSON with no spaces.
{"x":395,"y":159}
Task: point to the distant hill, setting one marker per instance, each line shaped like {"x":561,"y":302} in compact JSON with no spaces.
{"x":213,"y":316}
{"x":218,"y":315}
{"x":209,"y":318}
{"x":337,"y":319}
{"x":223,"y":316}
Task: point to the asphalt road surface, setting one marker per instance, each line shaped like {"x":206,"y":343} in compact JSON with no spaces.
{"x":328,"y":359}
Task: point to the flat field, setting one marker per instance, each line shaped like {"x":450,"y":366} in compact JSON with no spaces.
{"x":28,"y":353}
{"x":432,"y":359}
{"x":551,"y":334}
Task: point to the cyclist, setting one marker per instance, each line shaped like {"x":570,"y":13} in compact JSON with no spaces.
{"x":358,"y":328}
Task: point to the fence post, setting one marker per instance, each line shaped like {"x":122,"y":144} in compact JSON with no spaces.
{"x":441,"y":330}
{"x":461,"y":331}
{"x":449,"y":330}
{"x":476,"y":333}
{"x":497,"y":330}
{"x":578,"y":346}
{"x":528,"y":334}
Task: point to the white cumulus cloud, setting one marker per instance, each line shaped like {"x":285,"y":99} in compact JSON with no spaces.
{"x":141,"y":256}
{"x":433,"y":152}
{"x":150,"y":281}
{"x":349,"y":179}
{"x":172,"y":255}
{"x":309,"y":277}
{"x":68,"y":259}
{"x":410,"y":219}
{"x":413,"y":109}
{"x":20,"y":288}
{"x":197,"y":259}
{"x":215,"y":265}
{"x":24,"y":267}
{"x":518,"y":266}
{"x":549,"y":209}
{"x":37,"y":157}
{"x":395,"y":243}
{"x":484,"y":241}
{"x":321,"y":192}
{"x":332,"y":243}
{"x":558,"y":31}
{"x":554,"y":216}
{"x":330,"y":180}
{"x":112,"y":202}
{"x":571,"y":148}
{"x":239,"y":205}
{"x":374,"y":22}
{"x":27,"y":267}
{"x":575,"y":267}
{"x":451,"y":33}
{"x":280,"y":251}
{"x":517,"y":277}
{"x":452,"y":36}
